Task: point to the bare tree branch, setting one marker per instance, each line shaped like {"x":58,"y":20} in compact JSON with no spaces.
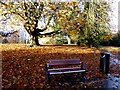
{"x":14,"y":11}
{"x":3,"y":3}
{"x":7,"y":34}
{"x":49,"y":33}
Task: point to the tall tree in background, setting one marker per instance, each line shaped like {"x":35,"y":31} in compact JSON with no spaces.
{"x":96,"y":22}
{"x":89,"y":26}
{"x":69,"y":20}
{"x":30,"y":13}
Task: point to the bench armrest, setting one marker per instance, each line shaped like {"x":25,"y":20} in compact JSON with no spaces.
{"x":85,"y":67}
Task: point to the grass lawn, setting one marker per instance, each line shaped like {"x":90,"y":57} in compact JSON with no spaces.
{"x":24,"y":66}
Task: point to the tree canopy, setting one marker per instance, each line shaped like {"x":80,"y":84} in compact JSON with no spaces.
{"x":87,"y":26}
{"x":30,"y":13}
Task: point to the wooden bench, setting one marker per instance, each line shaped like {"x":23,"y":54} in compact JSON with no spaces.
{"x":64,"y":66}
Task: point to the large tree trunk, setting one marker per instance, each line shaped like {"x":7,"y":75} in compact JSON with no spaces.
{"x":36,"y":41}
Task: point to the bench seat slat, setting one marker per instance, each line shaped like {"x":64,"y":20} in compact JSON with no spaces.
{"x":64,"y":62}
{"x":53,"y":73}
{"x":58,"y":69}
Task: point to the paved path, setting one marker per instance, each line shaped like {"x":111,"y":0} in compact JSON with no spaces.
{"x":112,"y":82}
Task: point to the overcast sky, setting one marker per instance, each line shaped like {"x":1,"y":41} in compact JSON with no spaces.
{"x":114,"y":21}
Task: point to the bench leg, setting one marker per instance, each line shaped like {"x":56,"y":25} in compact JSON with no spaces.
{"x":47,"y":75}
{"x":83,"y":76}
{"x":48,"y":78}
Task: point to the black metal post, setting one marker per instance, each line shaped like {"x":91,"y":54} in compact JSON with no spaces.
{"x":102,"y":63}
{"x":107,"y":64}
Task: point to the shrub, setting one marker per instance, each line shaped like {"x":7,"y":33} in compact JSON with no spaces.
{"x":115,"y":41}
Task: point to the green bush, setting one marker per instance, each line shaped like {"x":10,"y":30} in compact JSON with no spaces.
{"x":62,"y":41}
{"x":89,"y":41}
{"x":115,"y":41}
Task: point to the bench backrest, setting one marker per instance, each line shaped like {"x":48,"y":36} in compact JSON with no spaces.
{"x":75,"y":61}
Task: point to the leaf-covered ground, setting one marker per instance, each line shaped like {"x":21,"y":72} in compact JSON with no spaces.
{"x":24,"y":66}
